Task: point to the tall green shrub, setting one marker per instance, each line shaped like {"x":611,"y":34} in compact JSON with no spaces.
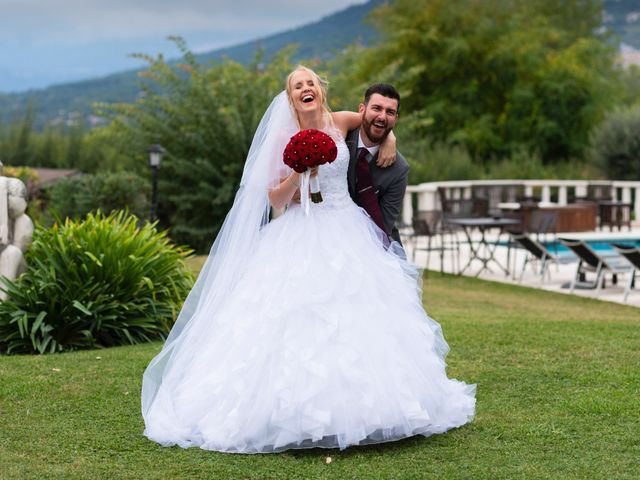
{"x":437,"y":162}
{"x":74,"y":197}
{"x":205,"y":117}
{"x":495,"y":76}
{"x":616,"y":144}
{"x":60,"y":146}
{"x":101,"y":281}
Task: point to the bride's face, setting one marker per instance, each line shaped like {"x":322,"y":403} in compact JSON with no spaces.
{"x":304,"y":91}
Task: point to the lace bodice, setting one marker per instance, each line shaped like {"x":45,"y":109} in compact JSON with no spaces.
{"x":333,"y":179}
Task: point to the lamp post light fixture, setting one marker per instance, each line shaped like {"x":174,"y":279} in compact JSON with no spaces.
{"x":156,"y":152}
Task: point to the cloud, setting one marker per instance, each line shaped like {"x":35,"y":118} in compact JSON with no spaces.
{"x":53,"y":41}
{"x":73,"y":21}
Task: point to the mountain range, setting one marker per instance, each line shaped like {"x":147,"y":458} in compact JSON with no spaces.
{"x":69,"y":102}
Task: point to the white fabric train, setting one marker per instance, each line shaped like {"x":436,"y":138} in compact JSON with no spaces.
{"x":323,"y":342}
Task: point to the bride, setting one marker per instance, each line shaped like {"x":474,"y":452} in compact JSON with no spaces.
{"x":306,"y":331}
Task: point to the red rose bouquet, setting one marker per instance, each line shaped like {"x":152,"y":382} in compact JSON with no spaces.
{"x":308,"y":149}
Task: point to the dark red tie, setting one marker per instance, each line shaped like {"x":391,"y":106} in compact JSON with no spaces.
{"x":366,"y":195}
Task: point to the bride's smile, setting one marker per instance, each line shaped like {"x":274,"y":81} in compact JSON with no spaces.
{"x":305,"y":93}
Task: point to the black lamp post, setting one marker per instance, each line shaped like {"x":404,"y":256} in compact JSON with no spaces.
{"x":156,"y":153}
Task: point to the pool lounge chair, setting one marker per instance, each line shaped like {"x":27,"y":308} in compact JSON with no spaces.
{"x":537,"y":251}
{"x":632,"y":254}
{"x":590,"y":261}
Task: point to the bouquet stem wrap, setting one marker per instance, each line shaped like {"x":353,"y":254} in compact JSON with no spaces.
{"x":314,"y":187}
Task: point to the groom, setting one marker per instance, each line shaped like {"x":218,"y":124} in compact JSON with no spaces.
{"x":376,"y":188}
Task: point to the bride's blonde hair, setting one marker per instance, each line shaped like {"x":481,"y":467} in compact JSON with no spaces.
{"x":322,"y":87}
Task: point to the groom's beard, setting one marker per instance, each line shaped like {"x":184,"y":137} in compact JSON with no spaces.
{"x":368,"y":130}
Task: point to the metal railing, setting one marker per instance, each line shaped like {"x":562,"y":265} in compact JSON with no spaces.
{"x":425,"y":195}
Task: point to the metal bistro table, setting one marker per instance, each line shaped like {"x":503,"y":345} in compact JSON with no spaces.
{"x":480,"y":249}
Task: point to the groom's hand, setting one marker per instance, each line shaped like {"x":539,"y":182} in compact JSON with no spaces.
{"x":386,"y":160}
{"x":387,"y":152}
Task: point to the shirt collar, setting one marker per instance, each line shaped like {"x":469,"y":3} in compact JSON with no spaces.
{"x":372,"y":150}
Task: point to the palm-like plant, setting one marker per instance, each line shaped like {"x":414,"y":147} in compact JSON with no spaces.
{"x":101,"y":281}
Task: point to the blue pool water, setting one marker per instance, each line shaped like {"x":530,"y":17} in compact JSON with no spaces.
{"x":601,"y":246}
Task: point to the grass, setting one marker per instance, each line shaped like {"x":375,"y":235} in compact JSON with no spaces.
{"x":558,"y":388}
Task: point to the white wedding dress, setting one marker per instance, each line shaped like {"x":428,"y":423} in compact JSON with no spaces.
{"x":323,"y":343}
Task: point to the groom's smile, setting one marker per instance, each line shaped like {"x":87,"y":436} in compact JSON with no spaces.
{"x":379,"y":117}
{"x":378,"y":128}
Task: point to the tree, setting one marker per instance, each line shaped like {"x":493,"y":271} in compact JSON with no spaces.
{"x":21,"y":154}
{"x":630,"y":93}
{"x":205,"y":117}
{"x":616,"y":144}
{"x":494,"y":76}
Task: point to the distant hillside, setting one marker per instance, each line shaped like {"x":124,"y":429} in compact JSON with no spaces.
{"x":321,"y":39}
{"x":67,"y":102}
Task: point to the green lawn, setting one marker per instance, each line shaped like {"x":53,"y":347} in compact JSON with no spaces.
{"x":558,"y":397}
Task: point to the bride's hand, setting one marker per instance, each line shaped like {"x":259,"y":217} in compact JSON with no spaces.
{"x":296,"y":196}
{"x":387,"y":153}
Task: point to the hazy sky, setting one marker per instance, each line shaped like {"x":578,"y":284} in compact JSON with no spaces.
{"x":43,"y":42}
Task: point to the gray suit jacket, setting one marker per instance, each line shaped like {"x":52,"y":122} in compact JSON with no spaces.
{"x":390,"y":184}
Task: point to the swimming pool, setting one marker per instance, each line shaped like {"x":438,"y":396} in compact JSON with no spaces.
{"x":600,"y":242}
{"x":600,"y":246}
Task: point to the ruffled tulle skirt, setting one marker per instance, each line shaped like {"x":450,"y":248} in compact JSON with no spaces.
{"x":324,"y":343}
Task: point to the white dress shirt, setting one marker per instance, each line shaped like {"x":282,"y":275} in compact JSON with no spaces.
{"x":372,"y":150}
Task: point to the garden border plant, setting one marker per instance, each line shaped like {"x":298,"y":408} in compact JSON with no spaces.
{"x":97,"y":282}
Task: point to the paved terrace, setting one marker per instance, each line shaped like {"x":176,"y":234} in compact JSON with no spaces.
{"x":556,"y":281}
{"x":425,"y":197}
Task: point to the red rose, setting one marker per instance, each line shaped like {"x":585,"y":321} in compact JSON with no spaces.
{"x":309,"y":148}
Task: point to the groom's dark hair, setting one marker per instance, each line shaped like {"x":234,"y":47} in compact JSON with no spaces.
{"x":383,"y":89}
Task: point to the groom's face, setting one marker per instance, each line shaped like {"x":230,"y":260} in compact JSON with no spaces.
{"x":379,"y":116}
